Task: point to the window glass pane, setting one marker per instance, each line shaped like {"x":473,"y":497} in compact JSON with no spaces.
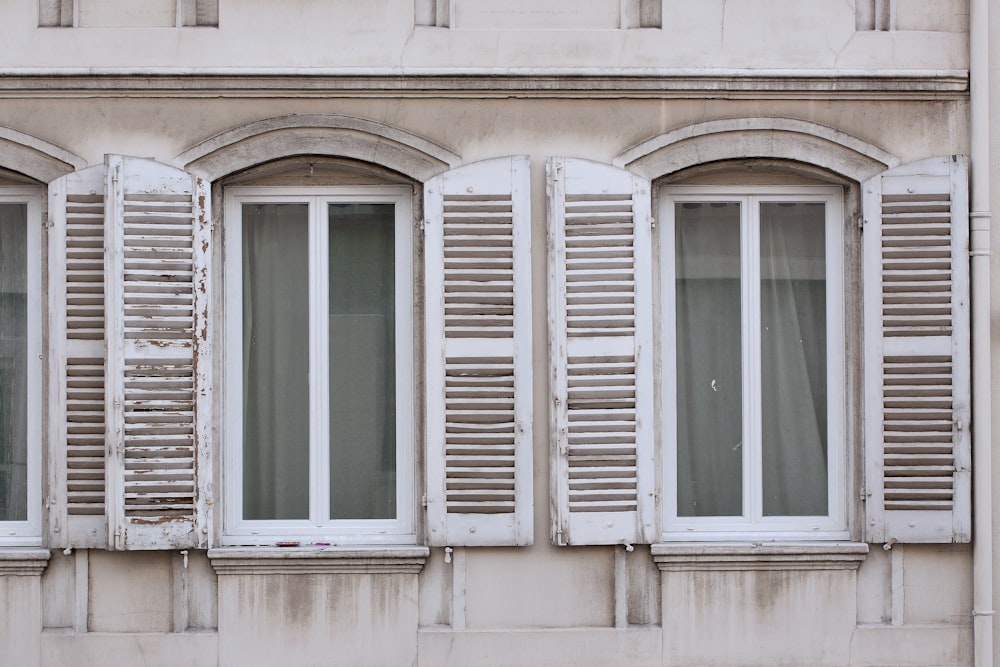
{"x":13,"y":362}
{"x":362,"y":362}
{"x":793,"y":358}
{"x":709,"y":366}
{"x":275,"y":361}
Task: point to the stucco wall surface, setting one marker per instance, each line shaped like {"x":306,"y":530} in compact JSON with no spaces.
{"x":907,"y":606}
{"x":776,"y":34}
{"x":538,"y":605}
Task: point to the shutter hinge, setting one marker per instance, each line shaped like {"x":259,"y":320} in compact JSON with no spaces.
{"x":422,"y":223}
{"x":423,"y":501}
{"x":860,"y":222}
{"x":554,"y":171}
{"x":652,"y":223}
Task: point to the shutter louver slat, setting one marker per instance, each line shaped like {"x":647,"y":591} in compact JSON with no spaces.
{"x":478,"y":303}
{"x":917,"y":365}
{"x":478,"y":310}
{"x":600,"y":277}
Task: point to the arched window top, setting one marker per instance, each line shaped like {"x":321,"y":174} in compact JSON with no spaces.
{"x":785,"y":139}
{"x":38,"y":160}
{"x":320,"y":135}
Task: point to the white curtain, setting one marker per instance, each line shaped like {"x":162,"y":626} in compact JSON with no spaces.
{"x":275,"y":361}
{"x":793,"y":359}
{"x":709,"y":371}
{"x":277,"y":371}
{"x":792,"y":351}
{"x":362,"y":361}
{"x":13,"y":362}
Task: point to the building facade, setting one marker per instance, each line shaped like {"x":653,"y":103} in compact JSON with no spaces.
{"x":441,"y":332}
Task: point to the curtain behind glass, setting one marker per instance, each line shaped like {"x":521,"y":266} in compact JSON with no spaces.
{"x":362,"y":361}
{"x":709,"y":366}
{"x":275,"y":361}
{"x":793,"y":358}
{"x":13,"y":363}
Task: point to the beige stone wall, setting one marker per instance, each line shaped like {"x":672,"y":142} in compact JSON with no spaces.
{"x":778,"y":34}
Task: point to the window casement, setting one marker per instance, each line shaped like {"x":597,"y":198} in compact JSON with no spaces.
{"x":752,"y":327}
{"x":20,"y":366}
{"x":319,"y":340}
{"x":322,"y":389}
{"x":703,"y":396}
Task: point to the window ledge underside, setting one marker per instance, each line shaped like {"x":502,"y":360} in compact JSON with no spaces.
{"x":322,"y":560}
{"x":693,"y":556}
{"x":21,"y":561}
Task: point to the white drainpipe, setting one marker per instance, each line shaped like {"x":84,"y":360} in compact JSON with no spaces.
{"x":979,"y":246}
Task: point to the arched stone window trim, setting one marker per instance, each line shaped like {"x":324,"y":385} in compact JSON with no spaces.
{"x":790,"y":139}
{"x":36,"y":158}
{"x":317,"y":134}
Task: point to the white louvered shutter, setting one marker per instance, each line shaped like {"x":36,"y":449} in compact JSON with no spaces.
{"x":158,"y":369}
{"x":478,"y":355}
{"x":130,"y":304}
{"x":917,"y":353}
{"x":76,"y":332}
{"x":600,"y":310}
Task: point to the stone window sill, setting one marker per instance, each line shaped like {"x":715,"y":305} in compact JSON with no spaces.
{"x":318,"y":560}
{"x":23,"y":561}
{"x":695,"y":556}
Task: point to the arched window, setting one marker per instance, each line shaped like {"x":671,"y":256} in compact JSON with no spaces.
{"x":749,"y":319}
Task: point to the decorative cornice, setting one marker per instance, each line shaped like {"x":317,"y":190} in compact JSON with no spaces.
{"x":660,"y":83}
{"x":699,"y":556}
{"x":318,"y":560}
{"x":23,"y":561}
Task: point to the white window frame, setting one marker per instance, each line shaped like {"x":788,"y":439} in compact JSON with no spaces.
{"x":318,"y":530}
{"x":29,"y":531}
{"x":753,"y":525}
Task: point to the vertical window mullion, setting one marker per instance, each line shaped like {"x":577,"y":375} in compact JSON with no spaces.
{"x":319,"y":369}
{"x":752,"y":474}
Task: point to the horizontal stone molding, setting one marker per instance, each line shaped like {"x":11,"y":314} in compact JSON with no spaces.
{"x":318,"y":560}
{"x":700,"y":556}
{"x":658,"y":83}
{"x":23,"y":562}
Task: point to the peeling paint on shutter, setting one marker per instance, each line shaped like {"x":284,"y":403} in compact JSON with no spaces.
{"x":129,"y":309}
{"x":76,"y":329}
{"x":917,"y":365}
{"x":600,"y":309}
{"x":157,"y":235}
{"x":478,"y":334}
